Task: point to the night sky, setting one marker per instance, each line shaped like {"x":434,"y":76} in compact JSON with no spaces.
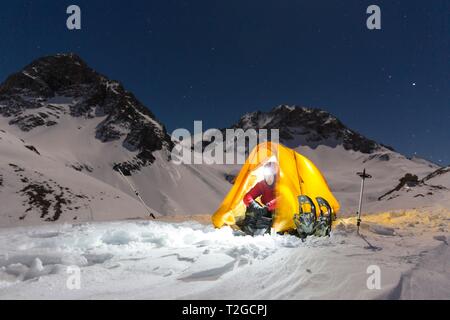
{"x":216,"y":60}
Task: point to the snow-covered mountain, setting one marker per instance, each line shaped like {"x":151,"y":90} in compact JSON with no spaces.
{"x":83,"y":124}
{"x":308,"y":126}
{"x":66,"y":129}
{"x":47,"y":90}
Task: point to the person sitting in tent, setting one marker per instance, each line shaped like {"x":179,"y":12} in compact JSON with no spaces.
{"x":304,"y":203}
{"x":258,"y":218}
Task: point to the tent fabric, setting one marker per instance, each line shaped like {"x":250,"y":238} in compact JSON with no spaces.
{"x":297,"y":176}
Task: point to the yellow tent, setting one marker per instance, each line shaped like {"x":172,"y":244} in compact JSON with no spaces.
{"x":297,"y":176}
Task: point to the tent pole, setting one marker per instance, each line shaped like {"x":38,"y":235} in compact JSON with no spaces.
{"x":298,"y":174}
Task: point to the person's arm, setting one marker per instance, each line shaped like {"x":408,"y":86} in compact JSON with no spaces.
{"x":253,"y":194}
{"x":271,"y":205}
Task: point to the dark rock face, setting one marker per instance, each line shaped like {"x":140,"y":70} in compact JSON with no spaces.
{"x":315,"y":125}
{"x":440,"y":171}
{"x":32,"y":148}
{"x":45,"y":197}
{"x":411,"y":181}
{"x":54,"y":86}
{"x":29,"y":122}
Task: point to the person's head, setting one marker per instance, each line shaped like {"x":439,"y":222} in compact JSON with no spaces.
{"x":270,"y":172}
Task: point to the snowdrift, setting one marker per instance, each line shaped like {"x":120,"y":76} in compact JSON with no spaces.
{"x":157,"y":260}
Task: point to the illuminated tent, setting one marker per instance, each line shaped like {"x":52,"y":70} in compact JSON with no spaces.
{"x":297,"y":176}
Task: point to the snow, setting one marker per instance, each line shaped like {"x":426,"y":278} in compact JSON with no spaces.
{"x":111,"y":85}
{"x":165,"y":187}
{"x":28,"y":75}
{"x":152,"y":121}
{"x":169,"y":188}
{"x":61,"y":101}
{"x":122,"y":255}
{"x":92,"y":199}
{"x":188,"y":260}
{"x":339,"y":167}
{"x":290,"y":108}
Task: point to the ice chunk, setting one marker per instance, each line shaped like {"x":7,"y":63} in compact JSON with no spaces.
{"x":382,"y":230}
{"x":118,"y":237}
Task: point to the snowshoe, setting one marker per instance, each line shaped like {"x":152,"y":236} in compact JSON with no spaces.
{"x":323,"y":224}
{"x":305,"y":220}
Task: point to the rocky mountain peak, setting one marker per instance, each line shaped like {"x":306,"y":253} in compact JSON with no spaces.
{"x":62,"y":85}
{"x":46,"y":76}
{"x":313,"y":126}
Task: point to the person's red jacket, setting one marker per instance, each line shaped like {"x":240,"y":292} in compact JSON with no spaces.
{"x":266,"y":192}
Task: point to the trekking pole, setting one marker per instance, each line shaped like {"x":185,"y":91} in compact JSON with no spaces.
{"x":137,"y":194}
{"x":363,"y":176}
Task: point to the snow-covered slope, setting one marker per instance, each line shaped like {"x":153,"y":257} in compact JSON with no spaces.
{"x":156,"y":260}
{"x":386,"y":167}
{"x":439,"y":177}
{"x":35,"y":187}
{"x":432,"y":190}
{"x":166,"y":187}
